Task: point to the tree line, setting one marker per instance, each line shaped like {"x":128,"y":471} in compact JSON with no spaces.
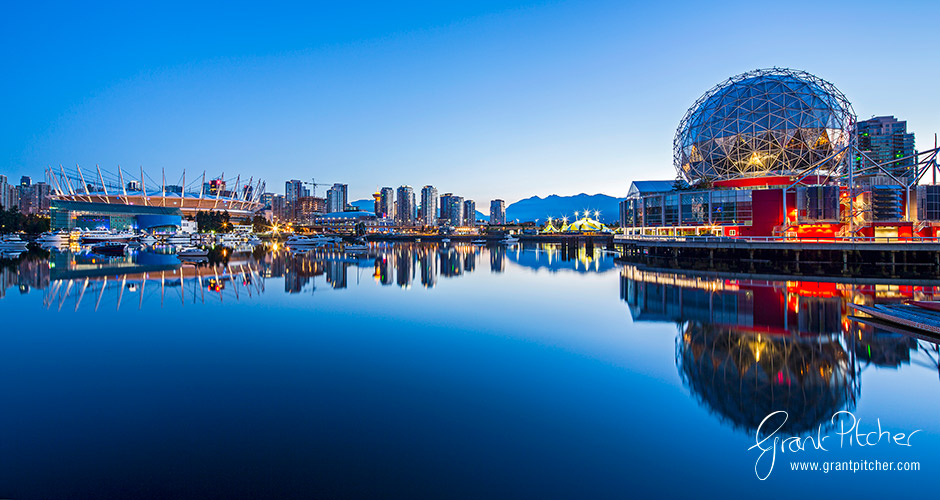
{"x":213,"y":221}
{"x":14,"y":221}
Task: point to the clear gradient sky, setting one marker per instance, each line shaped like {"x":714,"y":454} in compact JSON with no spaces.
{"x":488,"y":99}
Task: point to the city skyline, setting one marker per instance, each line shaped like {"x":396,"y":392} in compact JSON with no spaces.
{"x":369,"y":99}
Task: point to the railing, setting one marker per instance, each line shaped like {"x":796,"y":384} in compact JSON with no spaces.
{"x":780,"y":239}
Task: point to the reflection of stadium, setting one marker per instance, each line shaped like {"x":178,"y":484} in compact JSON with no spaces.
{"x":113,"y":202}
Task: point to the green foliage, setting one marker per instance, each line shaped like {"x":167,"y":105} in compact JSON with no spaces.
{"x":259,"y":224}
{"x":213,"y":221}
{"x":36,"y":224}
{"x":12,"y":221}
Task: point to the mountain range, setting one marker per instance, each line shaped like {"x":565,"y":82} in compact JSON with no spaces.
{"x":554,"y":206}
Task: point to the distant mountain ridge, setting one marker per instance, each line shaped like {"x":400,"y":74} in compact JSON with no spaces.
{"x":556,"y":206}
{"x":367,"y":205}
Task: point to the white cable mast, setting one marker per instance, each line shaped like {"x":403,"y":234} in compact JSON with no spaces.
{"x":84,"y":184}
{"x":123,"y":186}
{"x":103,"y":188}
{"x":143,"y":186}
{"x":67,"y":182}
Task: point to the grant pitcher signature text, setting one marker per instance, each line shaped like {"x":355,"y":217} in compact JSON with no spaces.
{"x":849,"y":431}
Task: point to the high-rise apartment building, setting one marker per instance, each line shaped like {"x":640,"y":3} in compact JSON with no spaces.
{"x":308,"y":207}
{"x":452,"y":209}
{"x":336,"y":198}
{"x":266,"y":199}
{"x":40,"y":197}
{"x":445,"y":208}
{"x":13,"y":197}
{"x":294,"y":190}
{"x":405,"y":210}
{"x":4,"y":192}
{"x":279,"y":208}
{"x":25,"y":195}
{"x":497,"y":212}
{"x":456,"y":210}
{"x":884,"y":139}
{"x":386,"y":203}
{"x":215,"y":187}
{"x":429,"y":205}
{"x":469,"y":213}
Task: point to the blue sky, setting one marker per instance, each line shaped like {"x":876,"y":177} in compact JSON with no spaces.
{"x":487,"y":99}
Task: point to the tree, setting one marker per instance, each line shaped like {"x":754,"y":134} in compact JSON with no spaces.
{"x":218,"y":222}
{"x":11,"y":220}
{"x":259,"y":224}
{"x":36,"y":224}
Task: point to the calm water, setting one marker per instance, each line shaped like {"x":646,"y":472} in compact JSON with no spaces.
{"x":422,"y":371}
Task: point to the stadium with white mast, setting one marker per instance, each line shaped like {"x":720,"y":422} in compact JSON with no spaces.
{"x":117,"y":201}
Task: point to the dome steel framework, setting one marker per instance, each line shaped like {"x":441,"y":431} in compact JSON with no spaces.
{"x":762,"y":123}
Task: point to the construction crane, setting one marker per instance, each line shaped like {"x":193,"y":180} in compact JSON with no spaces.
{"x":313,"y":182}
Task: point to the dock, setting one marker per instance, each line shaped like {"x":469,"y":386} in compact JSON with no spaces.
{"x":884,"y":257}
{"x":905,"y":316}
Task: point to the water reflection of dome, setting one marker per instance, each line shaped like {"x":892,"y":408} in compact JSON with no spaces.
{"x":742,"y":378}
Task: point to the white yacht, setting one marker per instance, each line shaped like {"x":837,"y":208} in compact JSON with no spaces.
{"x":100,"y":236}
{"x":147,"y":239}
{"x":54,"y":237}
{"x":299,"y":240}
{"x":356,"y":246}
{"x":179,"y":238}
{"x":509,"y":240}
{"x":12,"y":243}
{"x":192,"y":252}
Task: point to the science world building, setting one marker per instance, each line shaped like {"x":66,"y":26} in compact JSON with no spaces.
{"x":118,"y":202}
{"x":773,"y":153}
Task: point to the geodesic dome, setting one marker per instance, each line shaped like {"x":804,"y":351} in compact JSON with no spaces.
{"x":762,"y":123}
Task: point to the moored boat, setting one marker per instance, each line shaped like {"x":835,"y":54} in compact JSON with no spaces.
{"x":54,"y":237}
{"x":92,"y":237}
{"x":146,"y":239}
{"x":192,"y":252}
{"x":12,"y":243}
{"x":109,"y":248}
{"x":299,"y":240}
{"x":356,"y":246}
